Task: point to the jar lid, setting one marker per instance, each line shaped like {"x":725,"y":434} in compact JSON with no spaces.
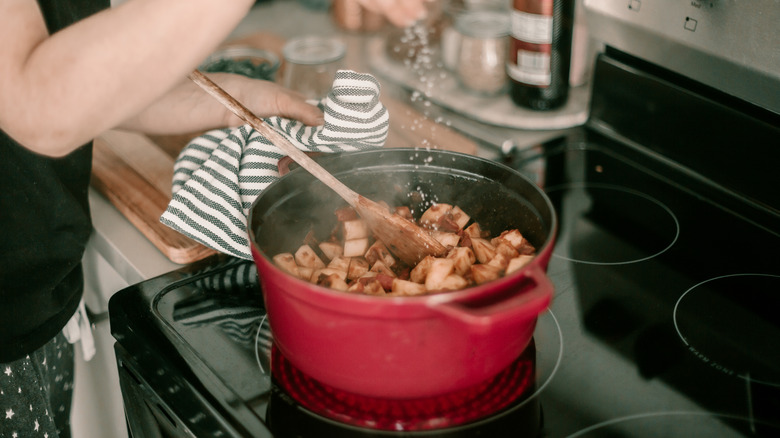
{"x":314,"y":50}
{"x":483,"y":24}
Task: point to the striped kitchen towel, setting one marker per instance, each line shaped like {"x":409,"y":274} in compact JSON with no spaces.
{"x":218,"y":175}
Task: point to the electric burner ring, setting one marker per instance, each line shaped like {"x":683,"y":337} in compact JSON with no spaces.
{"x":579,"y":208}
{"x":705,"y":356}
{"x":675,"y":420}
{"x":267,"y":337}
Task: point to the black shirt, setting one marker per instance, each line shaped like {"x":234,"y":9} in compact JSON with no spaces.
{"x":44,"y":225}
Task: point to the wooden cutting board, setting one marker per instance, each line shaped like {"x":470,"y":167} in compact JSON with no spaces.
{"x":134,"y":171}
{"x":135,"y":175}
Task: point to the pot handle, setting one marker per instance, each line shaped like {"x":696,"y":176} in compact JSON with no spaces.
{"x":524,"y":302}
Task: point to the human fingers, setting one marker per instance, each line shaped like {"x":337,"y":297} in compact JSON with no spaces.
{"x":401,"y":13}
{"x":267,"y":99}
{"x":293,"y":105}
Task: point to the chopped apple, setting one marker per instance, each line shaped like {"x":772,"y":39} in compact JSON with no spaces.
{"x":331,"y":250}
{"x":355,"y":247}
{"x":484,"y":273}
{"x":305,"y":273}
{"x":504,"y":247}
{"x":407,"y":288}
{"x":440,"y":269}
{"x":286,"y":262}
{"x":453,"y":282}
{"x":518,"y":262}
{"x":346,"y":214}
{"x":333,"y":281}
{"x":483,"y":249}
{"x":420,"y":271}
{"x":459,"y":217}
{"x":379,"y":252}
{"x":340,"y":263}
{"x":358,"y":266}
{"x":446,"y":238}
{"x":463,"y":258}
{"x":369,"y":275}
{"x":474,"y":230}
{"x":305,"y":256}
{"x":500,"y":261}
{"x":356,"y":287}
{"x":373,"y":287}
{"x":527,"y":248}
{"x":354,"y":229}
{"x":513,"y":236}
{"x":380,"y":268}
{"x":431,"y":217}
{"x":318,"y":273}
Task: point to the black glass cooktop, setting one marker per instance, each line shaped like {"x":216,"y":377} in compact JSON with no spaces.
{"x":663,"y":321}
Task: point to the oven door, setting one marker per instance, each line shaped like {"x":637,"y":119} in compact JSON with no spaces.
{"x":187,"y":352}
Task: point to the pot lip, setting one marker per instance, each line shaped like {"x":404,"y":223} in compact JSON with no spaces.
{"x":544,"y":251}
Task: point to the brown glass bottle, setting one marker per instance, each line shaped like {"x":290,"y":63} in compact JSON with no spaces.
{"x":540,"y":53}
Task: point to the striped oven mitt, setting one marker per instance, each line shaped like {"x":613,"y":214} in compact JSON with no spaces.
{"x":218,"y":175}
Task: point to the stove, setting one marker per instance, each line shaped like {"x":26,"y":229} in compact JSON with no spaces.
{"x":666,"y":275}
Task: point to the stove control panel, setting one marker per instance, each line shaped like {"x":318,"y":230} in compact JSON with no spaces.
{"x":731,"y":45}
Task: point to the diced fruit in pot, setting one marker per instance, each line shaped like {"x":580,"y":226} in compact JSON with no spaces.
{"x":359,"y":263}
{"x":358,"y":266}
{"x":340,"y":263}
{"x":407,"y":288}
{"x":517,"y":263}
{"x":483,"y":249}
{"x":305,"y":256}
{"x":286,"y":262}
{"x":355,"y":247}
{"x":354,"y":229}
{"x":331,"y":250}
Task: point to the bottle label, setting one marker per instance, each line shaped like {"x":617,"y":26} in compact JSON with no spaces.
{"x":532,"y":28}
{"x":531,"y":46}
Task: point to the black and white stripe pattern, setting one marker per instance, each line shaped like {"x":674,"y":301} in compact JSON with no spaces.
{"x":218,"y":175}
{"x":240,"y":322}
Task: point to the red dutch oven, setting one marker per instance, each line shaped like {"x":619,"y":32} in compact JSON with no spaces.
{"x":403,"y":347}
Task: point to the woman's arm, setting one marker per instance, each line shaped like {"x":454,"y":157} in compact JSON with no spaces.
{"x":59,"y":91}
{"x":187,"y":108}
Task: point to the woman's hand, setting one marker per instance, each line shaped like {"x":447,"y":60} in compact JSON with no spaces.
{"x":401,"y":13}
{"x":187,"y":108}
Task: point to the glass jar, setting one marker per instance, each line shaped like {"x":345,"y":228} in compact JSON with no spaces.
{"x":311,"y":63}
{"x":482,"y":52}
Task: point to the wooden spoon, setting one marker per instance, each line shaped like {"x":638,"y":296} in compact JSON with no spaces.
{"x":403,"y":238}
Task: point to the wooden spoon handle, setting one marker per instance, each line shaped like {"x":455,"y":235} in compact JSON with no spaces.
{"x":277,"y":139}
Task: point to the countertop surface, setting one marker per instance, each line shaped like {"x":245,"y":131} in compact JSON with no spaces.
{"x":134,"y":258}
